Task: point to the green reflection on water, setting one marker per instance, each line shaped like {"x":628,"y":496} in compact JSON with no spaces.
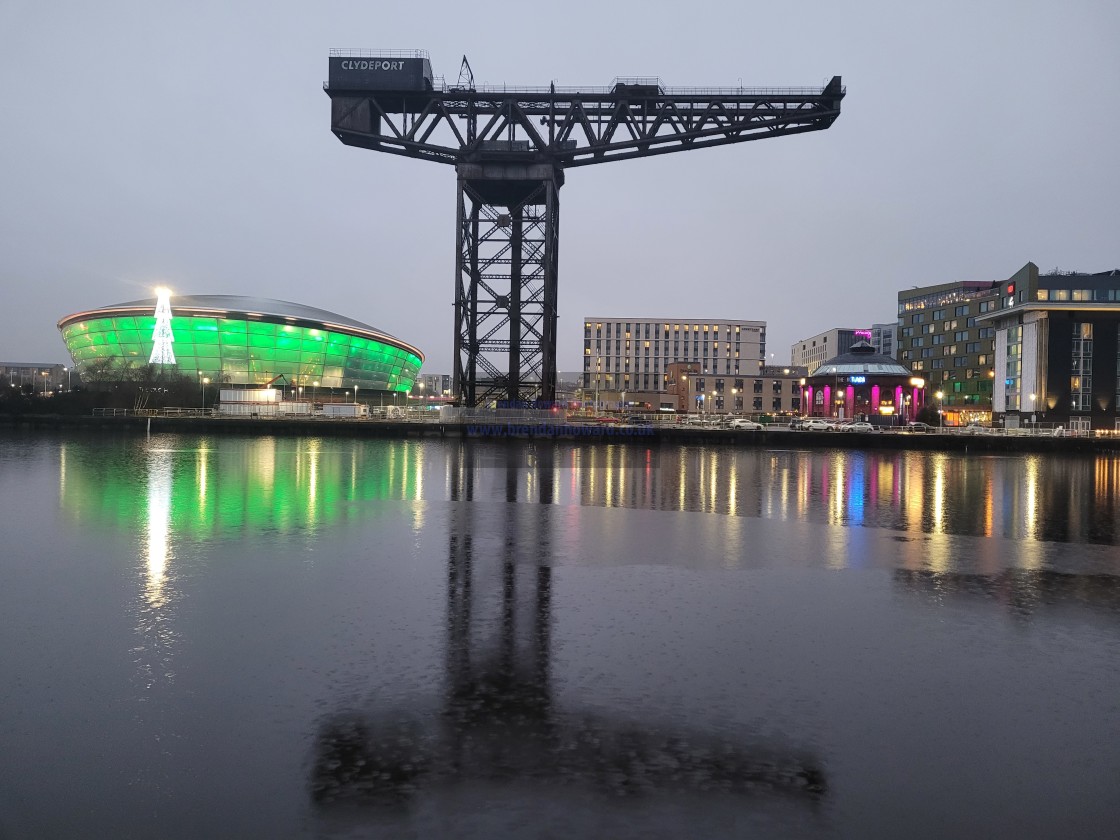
{"x":205,"y":488}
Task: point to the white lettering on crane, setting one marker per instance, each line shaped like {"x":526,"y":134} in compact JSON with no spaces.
{"x":377,"y":64}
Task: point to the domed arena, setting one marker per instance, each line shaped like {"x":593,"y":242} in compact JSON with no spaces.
{"x":243,"y":341}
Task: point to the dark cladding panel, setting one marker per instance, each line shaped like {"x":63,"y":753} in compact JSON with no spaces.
{"x":412,"y":74}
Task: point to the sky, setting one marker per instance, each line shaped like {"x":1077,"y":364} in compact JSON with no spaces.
{"x":189,"y":145}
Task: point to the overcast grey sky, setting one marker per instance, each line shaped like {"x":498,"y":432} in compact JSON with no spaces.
{"x":188,"y":144}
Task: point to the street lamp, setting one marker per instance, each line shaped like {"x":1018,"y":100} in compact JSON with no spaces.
{"x":940,"y":409}
{"x":205,"y":382}
{"x":314,"y":390}
{"x":46,"y":376}
{"x":355,"y":393}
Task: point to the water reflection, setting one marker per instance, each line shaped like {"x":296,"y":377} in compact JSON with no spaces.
{"x":170,"y":487}
{"x":1030,"y":497}
{"x":1022,"y":592}
{"x":497,"y":721}
{"x":208,"y":487}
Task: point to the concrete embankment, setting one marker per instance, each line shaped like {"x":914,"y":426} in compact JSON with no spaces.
{"x":773,"y":438}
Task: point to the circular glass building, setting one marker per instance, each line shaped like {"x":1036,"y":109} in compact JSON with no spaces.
{"x":244,"y":341}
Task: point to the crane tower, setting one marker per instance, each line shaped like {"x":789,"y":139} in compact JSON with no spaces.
{"x":510,"y":148}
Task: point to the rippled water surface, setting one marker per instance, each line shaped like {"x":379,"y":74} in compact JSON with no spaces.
{"x":258,"y":637}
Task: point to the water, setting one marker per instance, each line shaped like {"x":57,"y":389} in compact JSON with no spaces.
{"x":235,"y":637}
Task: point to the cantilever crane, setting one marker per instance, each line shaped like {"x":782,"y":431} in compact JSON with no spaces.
{"x":510,"y":148}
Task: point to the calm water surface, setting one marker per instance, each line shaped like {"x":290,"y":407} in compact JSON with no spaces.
{"x":241,"y":637}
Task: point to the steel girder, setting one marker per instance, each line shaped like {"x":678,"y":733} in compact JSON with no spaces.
{"x":574,"y":128}
{"x":505,"y":292}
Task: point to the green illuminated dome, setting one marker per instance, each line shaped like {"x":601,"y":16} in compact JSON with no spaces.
{"x":248,"y":341}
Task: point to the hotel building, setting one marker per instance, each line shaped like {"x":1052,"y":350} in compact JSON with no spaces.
{"x":1057,"y":349}
{"x":941,"y":339}
{"x":633,"y":354}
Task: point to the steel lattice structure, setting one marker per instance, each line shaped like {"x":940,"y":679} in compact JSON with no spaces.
{"x":510,"y":148}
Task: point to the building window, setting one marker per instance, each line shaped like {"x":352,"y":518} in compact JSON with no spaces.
{"x":1081,"y":366}
{"x":1014,"y":368}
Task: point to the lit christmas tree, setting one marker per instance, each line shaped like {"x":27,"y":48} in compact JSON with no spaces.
{"x":162,"y":354}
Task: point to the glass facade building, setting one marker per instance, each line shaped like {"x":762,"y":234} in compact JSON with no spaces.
{"x":248,"y":341}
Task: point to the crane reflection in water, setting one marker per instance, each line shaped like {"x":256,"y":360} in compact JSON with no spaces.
{"x":497,"y":719}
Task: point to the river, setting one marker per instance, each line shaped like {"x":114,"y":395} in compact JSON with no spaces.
{"x":301,"y":637}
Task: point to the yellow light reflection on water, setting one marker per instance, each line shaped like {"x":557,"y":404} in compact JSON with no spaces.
{"x":1030,"y":515}
{"x":711,"y":464}
{"x":989,"y":506}
{"x":733,"y":491}
{"x":314,"y":451}
{"x":836,"y":491}
{"x":682,"y":472}
{"x":157,"y":547}
{"x":940,"y":465}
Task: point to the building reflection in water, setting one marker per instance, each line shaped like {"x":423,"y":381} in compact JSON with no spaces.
{"x":1028,"y":497}
{"x":497,"y":721}
{"x":168,"y":490}
{"x":1022,"y":592}
{"x":219,"y":488}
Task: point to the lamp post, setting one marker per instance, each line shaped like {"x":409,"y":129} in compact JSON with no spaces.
{"x":314,"y":390}
{"x":68,"y":380}
{"x":46,"y":377}
{"x":598,"y":373}
{"x":940,"y":409}
{"x":205,"y":382}
{"x":355,"y":393}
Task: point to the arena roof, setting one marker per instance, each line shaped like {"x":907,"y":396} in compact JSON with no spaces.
{"x":241,"y":306}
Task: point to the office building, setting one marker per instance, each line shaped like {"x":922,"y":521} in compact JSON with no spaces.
{"x":813,"y":351}
{"x":884,"y":338}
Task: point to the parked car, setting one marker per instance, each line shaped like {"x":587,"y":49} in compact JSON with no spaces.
{"x":743,"y":423}
{"x":915,"y":426}
{"x":638,"y":420}
{"x":858,"y":426}
{"x":975,"y":429}
{"x":817,"y":426}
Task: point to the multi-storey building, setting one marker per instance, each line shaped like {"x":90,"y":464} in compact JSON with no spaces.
{"x":432,"y":385}
{"x":1057,"y":349}
{"x":884,"y":338}
{"x":633,"y":355}
{"x":39,"y":377}
{"x":815,"y":350}
{"x":941,"y":339}
{"x":773,"y":390}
